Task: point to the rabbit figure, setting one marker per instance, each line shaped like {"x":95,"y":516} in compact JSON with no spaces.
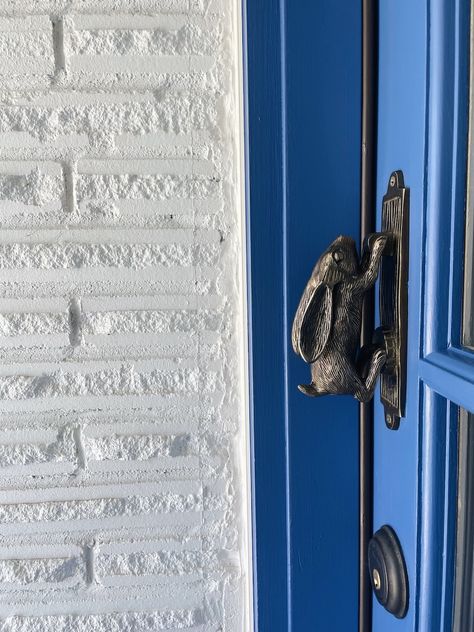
{"x":326,"y":328}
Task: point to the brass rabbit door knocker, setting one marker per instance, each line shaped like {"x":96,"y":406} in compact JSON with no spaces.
{"x":326,"y":327}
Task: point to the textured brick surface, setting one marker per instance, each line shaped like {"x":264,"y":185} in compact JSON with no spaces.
{"x":121,"y":426}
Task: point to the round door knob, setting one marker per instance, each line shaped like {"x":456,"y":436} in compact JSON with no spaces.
{"x":388,"y":572}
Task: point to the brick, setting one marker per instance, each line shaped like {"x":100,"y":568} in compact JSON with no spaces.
{"x":101,"y":508}
{"x":28,"y":44}
{"x":151,"y":321}
{"x":35,"y":188}
{"x":39,"y":22}
{"x":22,"y":572}
{"x":32,"y":324}
{"x":78,"y":256}
{"x":55,"y":7}
{"x":26,"y":49}
{"x":60,"y":449}
{"x":141,"y":563}
{"x":190,"y":39}
{"x":138,"y":447}
{"x":154,"y":187}
{"x":107,"y":382}
{"x":178,"y":113}
{"x":111,"y":622}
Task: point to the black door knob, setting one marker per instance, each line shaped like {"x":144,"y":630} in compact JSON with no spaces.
{"x":388,"y":571}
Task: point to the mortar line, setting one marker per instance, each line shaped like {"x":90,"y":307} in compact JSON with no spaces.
{"x":195,"y":279}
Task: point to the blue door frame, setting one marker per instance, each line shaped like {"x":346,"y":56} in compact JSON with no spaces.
{"x":303,"y":113}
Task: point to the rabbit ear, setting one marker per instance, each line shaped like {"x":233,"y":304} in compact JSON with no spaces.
{"x":313,"y":321}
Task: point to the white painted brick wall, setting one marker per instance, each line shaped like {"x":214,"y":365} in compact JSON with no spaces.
{"x":122,"y":492}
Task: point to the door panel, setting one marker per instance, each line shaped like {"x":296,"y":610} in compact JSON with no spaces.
{"x":423,"y":131}
{"x":464,"y":604}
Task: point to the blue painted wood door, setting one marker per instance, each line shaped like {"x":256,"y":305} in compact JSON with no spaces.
{"x":303,"y":145}
{"x":422,"y":129}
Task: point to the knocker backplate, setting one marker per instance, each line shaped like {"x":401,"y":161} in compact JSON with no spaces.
{"x":394,"y":299}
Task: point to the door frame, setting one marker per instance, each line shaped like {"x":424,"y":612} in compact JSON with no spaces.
{"x":304,"y":451}
{"x":263,"y":51}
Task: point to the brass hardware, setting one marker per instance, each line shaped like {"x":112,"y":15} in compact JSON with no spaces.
{"x":326,"y":327}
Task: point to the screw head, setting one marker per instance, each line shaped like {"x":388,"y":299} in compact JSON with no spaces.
{"x":393,"y":181}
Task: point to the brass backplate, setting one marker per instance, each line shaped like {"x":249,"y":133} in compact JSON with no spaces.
{"x":394,"y":299}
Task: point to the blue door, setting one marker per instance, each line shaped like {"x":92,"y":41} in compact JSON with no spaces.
{"x":304,"y":99}
{"x":421,"y":478}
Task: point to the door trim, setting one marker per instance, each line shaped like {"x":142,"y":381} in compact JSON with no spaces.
{"x":446,"y":370}
{"x":303,"y":100}
{"x":264,"y":120}
{"x":368,"y":180}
